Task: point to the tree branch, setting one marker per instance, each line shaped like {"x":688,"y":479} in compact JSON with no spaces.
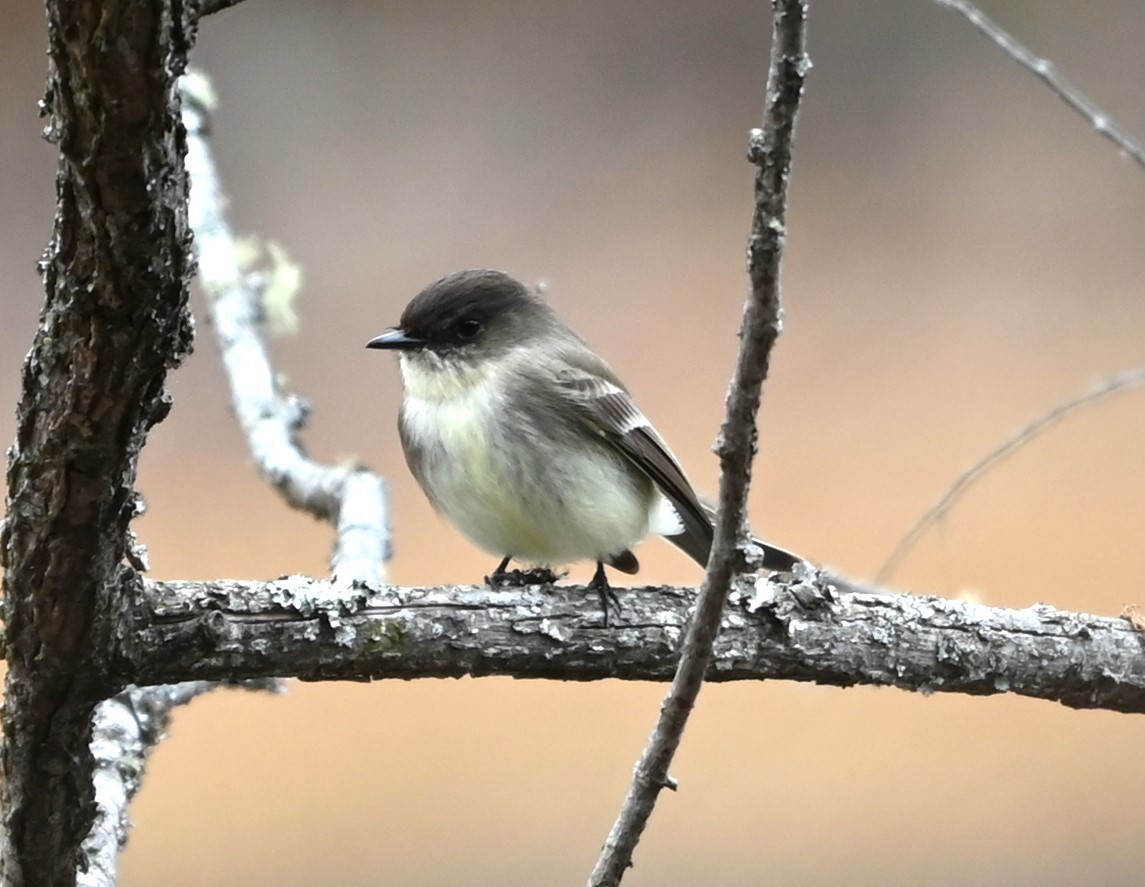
{"x":209,"y":7}
{"x":1016,"y":441}
{"x":125,"y":729}
{"x":352,"y":498}
{"x":1045,"y":69}
{"x":114,"y":321}
{"x":822,"y":630}
{"x":771,"y":152}
{"x":130,"y":724}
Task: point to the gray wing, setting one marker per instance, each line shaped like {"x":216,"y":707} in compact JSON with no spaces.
{"x":606,"y":408}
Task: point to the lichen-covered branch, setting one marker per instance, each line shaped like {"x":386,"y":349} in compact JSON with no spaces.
{"x":822,"y":630}
{"x":351,"y":497}
{"x":128,"y":725}
{"x":125,"y":729}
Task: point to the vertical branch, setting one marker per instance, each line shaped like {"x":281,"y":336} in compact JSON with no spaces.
{"x":126,"y":728}
{"x":770,"y":151}
{"x":131,"y":724}
{"x":114,"y":321}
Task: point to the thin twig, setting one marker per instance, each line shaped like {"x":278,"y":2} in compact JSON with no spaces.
{"x":1032,"y":430}
{"x":771,"y":152}
{"x":1054,"y":79}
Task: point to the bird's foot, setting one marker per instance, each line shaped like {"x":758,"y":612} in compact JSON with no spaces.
{"x":608,"y":597}
{"x":503,"y":578}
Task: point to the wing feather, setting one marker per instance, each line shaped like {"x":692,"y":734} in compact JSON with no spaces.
{"x":606,"y":408}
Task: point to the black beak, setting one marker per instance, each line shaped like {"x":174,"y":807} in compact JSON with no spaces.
{"x":395,"y":340}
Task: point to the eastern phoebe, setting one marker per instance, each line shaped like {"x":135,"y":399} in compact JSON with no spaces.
{"x":528,"y":442}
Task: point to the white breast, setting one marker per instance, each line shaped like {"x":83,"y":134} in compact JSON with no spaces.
{"x":492,"y":478}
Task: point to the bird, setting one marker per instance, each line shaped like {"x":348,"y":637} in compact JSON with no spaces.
{"x":524,"y":439}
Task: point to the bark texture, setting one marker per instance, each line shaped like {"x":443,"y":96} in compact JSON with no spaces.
{"x":820,"y":629}
{"x":113,"y":323}
{"x":771,"y":150}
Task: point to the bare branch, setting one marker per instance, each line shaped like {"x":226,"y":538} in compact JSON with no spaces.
{"x":1048,"y":72}
{"x":126,"y":728}
{"x":351,"y":497}
{"x":130,"y":724}
{"x":209,"y":7}
{"x":771,"y":152}
{"x":1032,"y":430}
{"x":822,"y":629}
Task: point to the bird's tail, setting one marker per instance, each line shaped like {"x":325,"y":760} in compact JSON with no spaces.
{"x":697,"y":544}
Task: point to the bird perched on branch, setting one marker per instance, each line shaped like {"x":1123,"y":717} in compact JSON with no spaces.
{"x":528,"y":442}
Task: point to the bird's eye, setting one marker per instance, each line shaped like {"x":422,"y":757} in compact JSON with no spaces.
{"x":469,"y":328}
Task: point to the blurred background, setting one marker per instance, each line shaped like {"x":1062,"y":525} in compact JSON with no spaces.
{"x":964,"y":253}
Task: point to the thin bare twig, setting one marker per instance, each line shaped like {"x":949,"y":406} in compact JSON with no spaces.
{"x":1045,"y":69}
{"x":1120,"y":382}
{"x":771,"y":152}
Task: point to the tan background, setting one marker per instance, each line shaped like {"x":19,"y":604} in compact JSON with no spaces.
{"x":964,"y":253}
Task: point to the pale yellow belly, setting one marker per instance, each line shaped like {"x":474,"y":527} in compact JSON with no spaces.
{"x":503,"y":492}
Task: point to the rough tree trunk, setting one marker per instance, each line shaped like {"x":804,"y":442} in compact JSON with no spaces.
{"x":114,"y":321}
